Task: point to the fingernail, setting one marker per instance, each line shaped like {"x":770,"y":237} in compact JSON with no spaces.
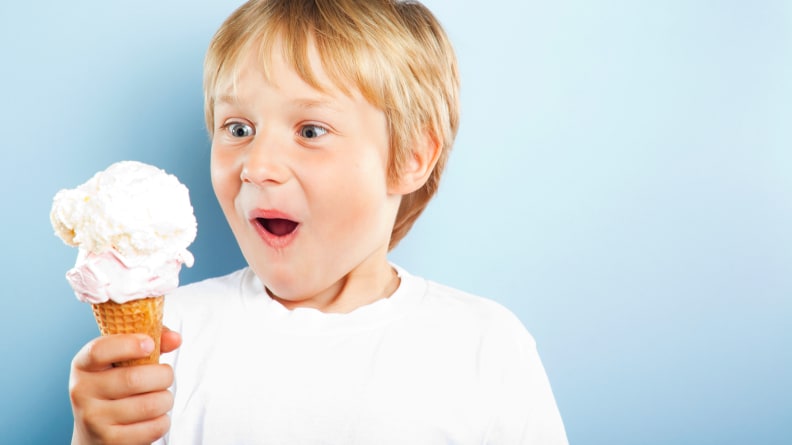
{"x":147,"y":345}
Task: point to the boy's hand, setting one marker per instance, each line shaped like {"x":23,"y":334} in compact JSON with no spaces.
{"x":125,"y":405}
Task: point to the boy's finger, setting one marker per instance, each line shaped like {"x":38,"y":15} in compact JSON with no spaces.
{"x":170,"y":340}
{"x":129,"y":381}
{"x":143,"y":432}
{"x":140,"y":408}
{"x":101,"y":352}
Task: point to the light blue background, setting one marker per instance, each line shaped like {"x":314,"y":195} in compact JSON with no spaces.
{"x":622,"y":181}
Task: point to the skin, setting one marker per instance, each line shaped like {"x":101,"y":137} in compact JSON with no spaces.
{"x":283,"y":148}
{"x":320,"y":158}
{"x":126,"y":405}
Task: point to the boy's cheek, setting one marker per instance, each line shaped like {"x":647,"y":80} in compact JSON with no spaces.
{"x":226,"y":180}
{"x":224,"y":167}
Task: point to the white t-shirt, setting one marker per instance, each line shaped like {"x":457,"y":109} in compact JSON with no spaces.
{"x":428,"y":365}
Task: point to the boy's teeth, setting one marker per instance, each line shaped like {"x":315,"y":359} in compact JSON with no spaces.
{"x":278,"y":226}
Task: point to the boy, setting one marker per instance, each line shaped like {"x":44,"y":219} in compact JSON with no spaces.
{"x":331,"y":121}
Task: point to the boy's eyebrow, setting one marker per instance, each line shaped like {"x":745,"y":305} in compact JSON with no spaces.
{"x":304,"y":103}
{"x":316,"y":103}
{"x":226,"y":99}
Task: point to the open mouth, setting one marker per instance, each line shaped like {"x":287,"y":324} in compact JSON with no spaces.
{"x":277,"y":226}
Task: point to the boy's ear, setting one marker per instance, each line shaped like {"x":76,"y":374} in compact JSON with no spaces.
{"x":426,"y":152}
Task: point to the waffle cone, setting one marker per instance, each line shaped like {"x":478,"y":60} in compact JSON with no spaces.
{"x":143,"y":316}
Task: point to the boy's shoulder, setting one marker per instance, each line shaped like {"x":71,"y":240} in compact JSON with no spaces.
{"x":210,"y":286}
{"x":231,"y":278}
{"x":208,"y":295}
{"x":455,"y":299}
{"x":455,"y":307}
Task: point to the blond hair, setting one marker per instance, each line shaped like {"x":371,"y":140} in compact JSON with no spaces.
{"x":394,"y":52}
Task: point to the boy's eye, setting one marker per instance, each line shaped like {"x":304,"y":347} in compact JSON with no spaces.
{"x":312,"y":131}
{"x":239,"y":130}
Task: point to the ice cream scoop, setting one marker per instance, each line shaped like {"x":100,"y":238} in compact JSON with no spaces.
{"x":132,"y":224}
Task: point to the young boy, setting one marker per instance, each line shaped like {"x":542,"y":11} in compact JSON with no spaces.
{"x":331,"y":121}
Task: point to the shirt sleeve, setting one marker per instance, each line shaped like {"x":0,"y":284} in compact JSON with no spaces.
{"x":524,"y":409}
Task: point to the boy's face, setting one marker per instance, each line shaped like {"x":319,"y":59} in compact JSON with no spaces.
{"x":301,"y":177}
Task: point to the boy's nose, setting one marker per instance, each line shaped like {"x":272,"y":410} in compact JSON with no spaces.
{"x":264,"y":163}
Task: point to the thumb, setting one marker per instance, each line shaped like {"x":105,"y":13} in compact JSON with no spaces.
{"x":170,"y":340}
{"x":100,"y":353}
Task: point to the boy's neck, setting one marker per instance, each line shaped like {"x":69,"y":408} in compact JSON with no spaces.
{"x":358,"y":288}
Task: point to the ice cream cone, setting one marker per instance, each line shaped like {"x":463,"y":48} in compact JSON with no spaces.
{"x":132,"y":223}
{"x":142,"y":316}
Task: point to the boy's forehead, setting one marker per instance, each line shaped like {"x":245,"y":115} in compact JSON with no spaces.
{"x":269,"y":62}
